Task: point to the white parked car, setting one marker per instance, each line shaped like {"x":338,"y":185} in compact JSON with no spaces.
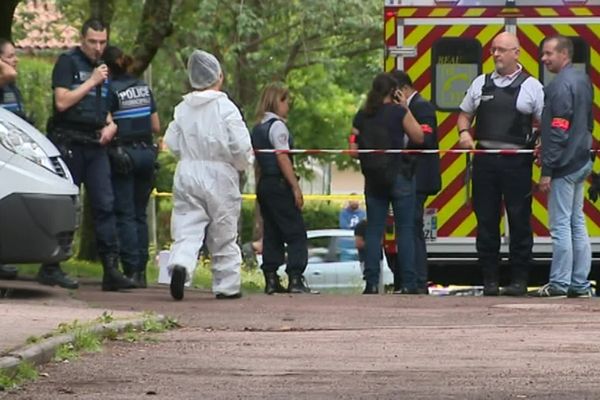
{"x":333,"y":261}
{"x":38,"y":200}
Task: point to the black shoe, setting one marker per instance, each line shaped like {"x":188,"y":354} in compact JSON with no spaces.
{"x":139,"y":278}
{"x":273,"y":284}
{"x":515,"y":289}
{"x":52,"y":275}
{"x":298,"y":285}
{"x":491,"y":289}
{"x":370,"y":289}
{"x":223,"y":296}
{"x":178,"y":277}
{"x":8,"y":271}
{"x":112,"y":279}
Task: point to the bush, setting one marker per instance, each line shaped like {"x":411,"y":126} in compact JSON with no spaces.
{"x":35,"y":83}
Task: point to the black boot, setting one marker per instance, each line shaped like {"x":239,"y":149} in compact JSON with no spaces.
{"x":8,"y":271}
{"x":515,"y":289}
{"x":139,"y":278}
{"x":178,"y":278}
{"x":113,"y":280}
{"x":491,"y":286}
{"x":370,"y":289}
{"x":297,"y":285}
{"x":52,"y":274}
{"x":272,"y":283}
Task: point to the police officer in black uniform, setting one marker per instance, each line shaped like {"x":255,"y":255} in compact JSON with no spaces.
{"x":81,"y":128}
{"x":10,"y":99}
{"x":505,"y":103}
{"x":132,"y":155}
{"x":279,"y":194}
{"x":427,"y":169}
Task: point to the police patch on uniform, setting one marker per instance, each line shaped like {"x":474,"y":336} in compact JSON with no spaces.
{"x":282,"y":139}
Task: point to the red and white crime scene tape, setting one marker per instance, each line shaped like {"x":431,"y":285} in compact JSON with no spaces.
{"x":405,"y":151}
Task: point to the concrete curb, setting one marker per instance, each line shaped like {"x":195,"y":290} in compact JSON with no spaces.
{"x":42,"y":352}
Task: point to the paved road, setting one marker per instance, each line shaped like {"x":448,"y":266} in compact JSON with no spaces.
{"x":338,"y":346}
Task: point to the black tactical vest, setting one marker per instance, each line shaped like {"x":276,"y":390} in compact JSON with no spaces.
{"x":11,"y":100}
{"x":497,"y":116}
{"x":260,"y":140}
{"x":89,"y":114}
{"x":132,"y":110}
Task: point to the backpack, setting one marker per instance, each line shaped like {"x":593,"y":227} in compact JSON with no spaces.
{"x":380,"y":169}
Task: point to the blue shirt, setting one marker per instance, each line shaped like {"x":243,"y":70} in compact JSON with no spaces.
{"x":350,"y":218}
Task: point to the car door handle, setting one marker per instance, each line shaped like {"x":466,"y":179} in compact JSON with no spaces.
{"x":316,"y":273}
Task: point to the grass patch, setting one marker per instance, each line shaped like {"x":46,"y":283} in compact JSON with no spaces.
{"x":252,"y":277}
{"x":25,"y":372}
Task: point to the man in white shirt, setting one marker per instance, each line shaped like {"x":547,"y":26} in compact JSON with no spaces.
{"x":505,"y":104}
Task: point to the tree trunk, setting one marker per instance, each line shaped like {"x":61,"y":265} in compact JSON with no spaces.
{"x":7,"y":11}
{"x":155,"y":26}
{"x":102,"y":10}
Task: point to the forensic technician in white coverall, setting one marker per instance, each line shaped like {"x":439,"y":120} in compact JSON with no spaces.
{"x":212,"y":142}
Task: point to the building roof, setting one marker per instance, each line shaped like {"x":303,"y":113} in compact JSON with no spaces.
{"x":42,"y":27}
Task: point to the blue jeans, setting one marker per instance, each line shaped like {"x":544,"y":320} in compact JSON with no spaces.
{"x":572,"y":253}
{"x":420,"y":245}
{"x":132,"y":192}
{"x":402,"y":199}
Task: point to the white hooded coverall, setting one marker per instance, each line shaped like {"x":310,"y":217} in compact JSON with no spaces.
{"x":212,"y":142}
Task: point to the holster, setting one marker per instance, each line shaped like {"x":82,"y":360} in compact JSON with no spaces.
{"x":120,"y":161}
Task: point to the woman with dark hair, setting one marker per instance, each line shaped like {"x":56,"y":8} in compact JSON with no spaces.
{"x":132,"y":154}
{"x":10,"y":96}
{"x":384,"y":123}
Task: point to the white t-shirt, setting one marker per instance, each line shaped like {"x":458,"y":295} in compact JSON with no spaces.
{"x":279,"y":136}
{"x":529,"y":101}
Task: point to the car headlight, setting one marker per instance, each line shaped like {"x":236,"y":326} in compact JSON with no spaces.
{"x":17,"y":141}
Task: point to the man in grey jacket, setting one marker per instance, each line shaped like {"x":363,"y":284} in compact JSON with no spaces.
{"x":566,"y":142}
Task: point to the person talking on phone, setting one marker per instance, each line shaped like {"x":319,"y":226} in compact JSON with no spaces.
{"x":383,"y":123}
{"x":81,"y":127}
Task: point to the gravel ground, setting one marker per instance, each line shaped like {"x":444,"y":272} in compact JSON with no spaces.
{"x":338,"y":347}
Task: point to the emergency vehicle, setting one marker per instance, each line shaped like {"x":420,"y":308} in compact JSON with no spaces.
{"x":443,"y":45}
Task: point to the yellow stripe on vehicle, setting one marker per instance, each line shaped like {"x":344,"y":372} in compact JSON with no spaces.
{"x":390,"y":28}
{"x":406,"y":12}
{"x":440,"y":12}
{"x":417,"y":34}
{"x":474,"y":12}
{"x":581,"y":11}
{"x":390,"y":63}
{"x":546,"y":12}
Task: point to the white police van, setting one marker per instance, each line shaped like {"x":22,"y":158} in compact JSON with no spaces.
{"x":38,"y":201}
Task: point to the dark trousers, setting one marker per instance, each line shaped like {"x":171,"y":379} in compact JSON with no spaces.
{"x":420,"y":246}
{"x":498,"y":178}
{"x":88,"y":164}
{"x":282,"y":224}
{"x":132,"y":192}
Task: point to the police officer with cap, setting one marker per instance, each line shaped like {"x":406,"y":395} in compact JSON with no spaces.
{"x":505,"y":103}
{"x":81,"y":128}
{"x":132,"y":156}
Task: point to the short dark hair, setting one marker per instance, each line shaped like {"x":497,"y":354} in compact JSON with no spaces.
{"x":95,"y":24}
{"x":4,"y":42}
{"x":563,"y":43}
{"x":402,"y":78}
